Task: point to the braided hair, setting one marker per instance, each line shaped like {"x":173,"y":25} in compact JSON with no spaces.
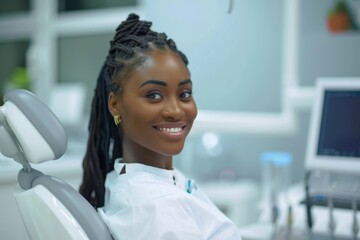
{"x":132,"y":39}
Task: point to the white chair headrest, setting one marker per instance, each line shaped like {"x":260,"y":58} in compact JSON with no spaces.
{"x":35,"y":128}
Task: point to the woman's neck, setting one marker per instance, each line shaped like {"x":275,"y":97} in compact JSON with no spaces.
{"x":147,"y":157}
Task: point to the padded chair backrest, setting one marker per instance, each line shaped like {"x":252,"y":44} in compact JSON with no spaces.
{"x":81,"y":220}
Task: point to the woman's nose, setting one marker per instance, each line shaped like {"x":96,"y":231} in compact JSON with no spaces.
{"x":173,"y":109}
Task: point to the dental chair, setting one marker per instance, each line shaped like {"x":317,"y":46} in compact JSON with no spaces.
{"x":49,"y":207}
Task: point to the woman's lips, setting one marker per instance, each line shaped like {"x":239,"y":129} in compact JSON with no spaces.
{"x":171,"y":129}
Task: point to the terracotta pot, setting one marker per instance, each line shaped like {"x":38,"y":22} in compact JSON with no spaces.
{"x":338,"y":22}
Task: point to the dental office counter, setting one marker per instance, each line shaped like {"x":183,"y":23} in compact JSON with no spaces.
{"x":67,"y":168}
{"x":263,"y":230}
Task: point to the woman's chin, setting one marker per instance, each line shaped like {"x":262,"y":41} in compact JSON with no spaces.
{"x":174,"y":151}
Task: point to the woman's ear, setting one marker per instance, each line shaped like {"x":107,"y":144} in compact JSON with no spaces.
{"x":114,"y":104}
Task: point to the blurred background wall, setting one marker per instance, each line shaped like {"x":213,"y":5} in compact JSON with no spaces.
{"x":238,"y":56}
{"x":254,"y":64}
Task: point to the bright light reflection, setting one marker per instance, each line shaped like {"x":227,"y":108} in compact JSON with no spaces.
{"x":210,"y":140}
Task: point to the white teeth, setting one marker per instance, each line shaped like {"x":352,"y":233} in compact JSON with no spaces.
{"x":171,"y":130}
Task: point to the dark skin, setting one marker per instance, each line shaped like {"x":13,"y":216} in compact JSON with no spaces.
{"x":157,"y":109}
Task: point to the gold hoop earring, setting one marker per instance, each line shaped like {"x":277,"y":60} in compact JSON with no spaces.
{"x":117,"y":120}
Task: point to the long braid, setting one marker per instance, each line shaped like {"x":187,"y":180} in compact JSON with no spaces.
{"x":104,"y":145}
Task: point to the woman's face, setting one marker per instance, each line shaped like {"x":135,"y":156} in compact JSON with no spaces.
{"x":156,"y":107}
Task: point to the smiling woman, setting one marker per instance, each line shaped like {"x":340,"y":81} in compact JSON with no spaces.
{"x":156,"y":109}
{"x":141,"y":114}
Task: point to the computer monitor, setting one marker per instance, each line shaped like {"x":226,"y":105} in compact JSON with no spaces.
{"x":334,"y":132}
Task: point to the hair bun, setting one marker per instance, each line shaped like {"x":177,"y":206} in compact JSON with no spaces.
{"x":132,"y":16}
{"x":133,"y":26}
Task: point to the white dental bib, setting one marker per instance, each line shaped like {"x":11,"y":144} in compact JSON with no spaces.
{"x":144,"y":203}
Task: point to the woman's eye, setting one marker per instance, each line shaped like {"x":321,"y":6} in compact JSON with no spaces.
{"x":154,"y":96}
{"x":186,"y":95}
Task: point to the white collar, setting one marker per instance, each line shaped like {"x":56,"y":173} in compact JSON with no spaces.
{"x":166,"y":174}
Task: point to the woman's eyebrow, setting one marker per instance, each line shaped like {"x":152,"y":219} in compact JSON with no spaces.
{"x":186,"y":81}
{"x":162,"y":83}
{"x":151,"y":81}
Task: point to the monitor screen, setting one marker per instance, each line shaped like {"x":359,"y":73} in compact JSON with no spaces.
{"x":334,"y":133}
{"x":340,"y":124}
